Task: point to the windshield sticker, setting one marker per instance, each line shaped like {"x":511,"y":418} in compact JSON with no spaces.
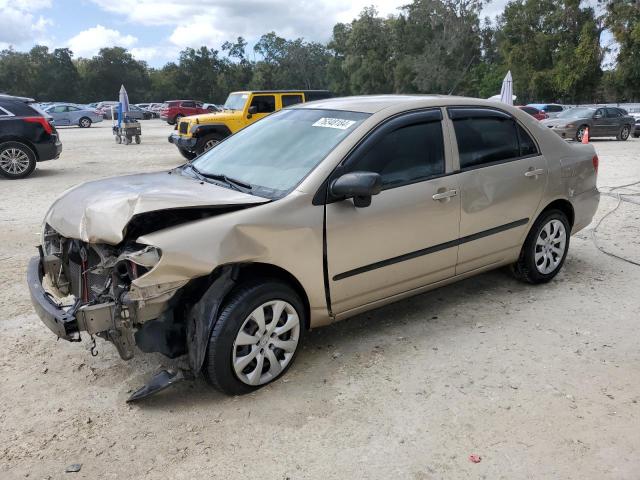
{"x":338,"y":123}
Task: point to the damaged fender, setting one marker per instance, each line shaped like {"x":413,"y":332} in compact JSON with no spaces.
{"x":203,"y":315}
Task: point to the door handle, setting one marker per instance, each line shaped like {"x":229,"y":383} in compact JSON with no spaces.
{"x":445,"y":195}
{"x":534,"y":173}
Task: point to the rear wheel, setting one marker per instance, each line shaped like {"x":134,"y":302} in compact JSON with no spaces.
{"x":545,"y":248}
{"x":624,"y":132}
{"x":256,"y":337}
{"x":84,"y":122}
{"x":16,"y":160}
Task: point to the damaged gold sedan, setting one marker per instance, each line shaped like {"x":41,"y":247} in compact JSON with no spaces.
{"x":311,"y":215}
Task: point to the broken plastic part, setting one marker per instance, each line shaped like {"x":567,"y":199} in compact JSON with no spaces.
{"x":159,"y":382}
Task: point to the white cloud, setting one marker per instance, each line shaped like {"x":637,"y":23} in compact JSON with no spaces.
{"x":88,"y":42}
{"x":211,"y":22}
{"x":20,"y":26}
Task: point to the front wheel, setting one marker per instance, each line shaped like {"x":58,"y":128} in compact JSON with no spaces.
{"x":545,"y":248}
{"x":84,"y":122}
{"x":208,"y":142}
{"x":186,"y":154}
{"x":623,"y":134}
{"x":256,"y":337}
{"x":580,"y":132}
{"x":16,"y":160}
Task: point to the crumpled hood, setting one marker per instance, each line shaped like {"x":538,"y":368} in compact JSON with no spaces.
{"x":99,"y":211}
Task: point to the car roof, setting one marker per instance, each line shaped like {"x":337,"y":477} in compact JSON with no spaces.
{"x":376,"y":103}
{"x":293,"y":90}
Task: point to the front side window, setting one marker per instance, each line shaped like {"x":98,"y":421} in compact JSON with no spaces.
{"x":288,"y":100}
{"x":484,"y":140}
{"x":264,"y":103}
{"x":275,"y":154}
{"x":405,"y":155}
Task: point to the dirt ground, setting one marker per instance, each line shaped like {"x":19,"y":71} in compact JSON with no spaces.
{"x":540,"y":382}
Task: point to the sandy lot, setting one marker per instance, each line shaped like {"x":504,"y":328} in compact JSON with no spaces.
{"x":540,"y":382}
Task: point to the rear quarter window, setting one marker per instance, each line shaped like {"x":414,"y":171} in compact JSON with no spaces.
{"x":485,"y":140}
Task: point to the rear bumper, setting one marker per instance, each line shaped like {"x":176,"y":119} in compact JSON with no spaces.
{"x":585,"y":206}
{"x":57,"y":319}
{"x":49,"y":150}
{"x":182,"y":142}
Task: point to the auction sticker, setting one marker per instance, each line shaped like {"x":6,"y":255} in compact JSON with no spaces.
{"x":339,"y":123}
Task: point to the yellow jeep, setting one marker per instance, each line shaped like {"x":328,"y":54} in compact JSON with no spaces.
{"x":198,"y":133}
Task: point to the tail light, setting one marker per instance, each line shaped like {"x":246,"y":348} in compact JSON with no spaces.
{"x":42,"y":121}
{"x":596,"y":162}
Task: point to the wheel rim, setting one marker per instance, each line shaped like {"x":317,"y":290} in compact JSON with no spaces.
{"x":550,"y":246}
{"x":625,"y":132}
{"x":209,"y":144}
{"x":14,"y":161}
{"x":266,"y":342}
{"x":85,"y":123}
{"x":580,"y":133}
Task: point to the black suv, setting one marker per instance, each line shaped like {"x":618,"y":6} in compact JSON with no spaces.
{"x":26,"y":137}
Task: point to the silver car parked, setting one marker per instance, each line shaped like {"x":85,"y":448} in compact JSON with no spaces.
{"x":69,"y":114}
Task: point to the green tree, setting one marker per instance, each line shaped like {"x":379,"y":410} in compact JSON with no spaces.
{"x":623,"y":18}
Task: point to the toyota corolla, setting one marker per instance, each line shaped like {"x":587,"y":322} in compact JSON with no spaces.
{"x":312,"y":215}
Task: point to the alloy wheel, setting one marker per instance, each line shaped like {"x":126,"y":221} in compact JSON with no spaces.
{"x":624,"y":134}
{"x":14,"y":161}
{"x":209,"y":144}
{"x":580,"y":134}
{"x":550,"y":246}
{"x":266,"y":342}
{"x":85,"y":122}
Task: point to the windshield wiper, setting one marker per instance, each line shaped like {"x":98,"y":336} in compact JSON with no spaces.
{"x":229,"y":180}
{"x":232,"y":182}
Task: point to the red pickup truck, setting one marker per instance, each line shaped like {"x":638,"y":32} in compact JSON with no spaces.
{"x":174,"y":110}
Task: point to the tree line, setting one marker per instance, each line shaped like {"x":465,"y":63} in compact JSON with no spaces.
{"x":552,"y":47}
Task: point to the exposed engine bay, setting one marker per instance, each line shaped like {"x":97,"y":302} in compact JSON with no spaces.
{"x":96,"y":283}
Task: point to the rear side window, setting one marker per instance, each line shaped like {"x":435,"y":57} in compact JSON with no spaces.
{"x":288,"y":100}
{"x":527,"y":145}
{"x":484,"y":140}
{"x":405,"y":155}
{"x":264,"y":103}
{"x":613,"y":113}
{"x":530,"y":110}
{"x":188,"y":104}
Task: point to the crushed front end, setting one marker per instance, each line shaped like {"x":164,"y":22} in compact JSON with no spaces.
{"x":80,"y":287}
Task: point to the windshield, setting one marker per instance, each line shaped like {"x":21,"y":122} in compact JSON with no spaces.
{"x":236,"y":101}
{"x":276,"y":153}
{"x":577,"y":113}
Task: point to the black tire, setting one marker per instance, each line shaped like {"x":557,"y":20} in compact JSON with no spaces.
{"x":21,"y":151}
{"x":244,"y":299}
{"x":525,"y":267}
{"x":187,"y":154}
{"x":84,"y":122}
{"x":138,"y":139}
{"x":205,"y":143}
{"x":579,"y":132}
{"x":624,"y":133}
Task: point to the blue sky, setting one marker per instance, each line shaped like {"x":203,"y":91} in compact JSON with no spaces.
{"x":156,"y":30}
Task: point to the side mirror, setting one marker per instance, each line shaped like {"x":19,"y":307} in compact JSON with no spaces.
{"x":252,"y":111}
{"x":360,"y":186}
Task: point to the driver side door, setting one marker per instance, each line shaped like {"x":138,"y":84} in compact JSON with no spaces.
{"x":407,"y":237}
{"x":263,"y":105}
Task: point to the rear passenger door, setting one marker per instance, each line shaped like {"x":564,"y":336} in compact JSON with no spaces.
{"x":614,"y":121}
{"x":502,"y":179}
